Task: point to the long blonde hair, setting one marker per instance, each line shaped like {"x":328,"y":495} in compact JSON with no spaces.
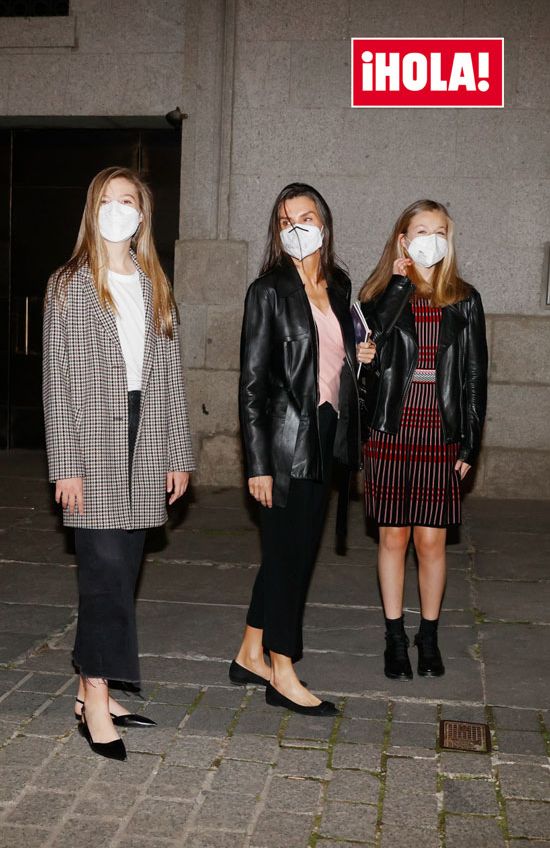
{"x":90,"y":250}
{"x":447,"y":286}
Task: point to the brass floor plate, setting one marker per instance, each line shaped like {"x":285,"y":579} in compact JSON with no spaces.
{"x":464,"y":736}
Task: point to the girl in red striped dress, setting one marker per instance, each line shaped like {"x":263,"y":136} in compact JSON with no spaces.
{"x":424,"y":406}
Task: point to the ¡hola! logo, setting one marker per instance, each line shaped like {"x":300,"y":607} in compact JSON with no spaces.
{"x":432,"y":72}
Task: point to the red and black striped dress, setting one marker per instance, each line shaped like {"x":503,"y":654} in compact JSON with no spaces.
{"x":410,"y":477}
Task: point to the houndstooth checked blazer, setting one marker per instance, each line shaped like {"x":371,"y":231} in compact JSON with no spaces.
{"x":85,"y":400}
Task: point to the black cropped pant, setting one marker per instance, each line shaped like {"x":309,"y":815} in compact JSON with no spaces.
{"x":290,"y":537}
{"x":109,"y":563}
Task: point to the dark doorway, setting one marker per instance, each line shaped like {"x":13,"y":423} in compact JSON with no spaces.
{"x":44,"y":175}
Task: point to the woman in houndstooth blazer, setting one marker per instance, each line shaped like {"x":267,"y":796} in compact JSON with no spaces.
{"x":117,"y":430}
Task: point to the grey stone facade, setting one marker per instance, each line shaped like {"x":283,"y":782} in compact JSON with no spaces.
{"x":266,"y":87}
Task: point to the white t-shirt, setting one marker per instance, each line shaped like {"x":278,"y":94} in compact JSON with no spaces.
{"x":130,"y":321}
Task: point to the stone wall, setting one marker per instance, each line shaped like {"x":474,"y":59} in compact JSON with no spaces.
{"x":266,"y":86}
{"x":287,"y":111}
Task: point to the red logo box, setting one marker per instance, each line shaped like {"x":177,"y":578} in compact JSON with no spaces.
{"x":427,"y":72}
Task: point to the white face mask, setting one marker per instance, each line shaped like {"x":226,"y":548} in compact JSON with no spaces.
{"x":118,"y":221}
{"x":301,"y":240}
{"x":428,"y":250}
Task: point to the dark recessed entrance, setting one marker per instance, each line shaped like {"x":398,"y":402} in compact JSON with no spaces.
{"x":44,"y":174}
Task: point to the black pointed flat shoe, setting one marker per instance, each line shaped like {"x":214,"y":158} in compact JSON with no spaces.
{"x":133,"y":720}
{"x":241,"y":676}
{"x":275,"y":699}
{"x":114,"y":750}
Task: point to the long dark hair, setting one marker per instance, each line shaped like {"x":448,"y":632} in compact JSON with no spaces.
{"x":274,"y":255}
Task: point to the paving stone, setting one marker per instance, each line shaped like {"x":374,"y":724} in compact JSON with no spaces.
{"x":184,"y":695}
{"x":99,"y":799}
{"x":413,"y":735}
{"x":366,"y":708}
{"x":308,"y":727}
{"x":293,"y":794}
{"x":13,"y":836}
{"x":224,"y":812}
{"x":411,"y":776}
{"x":165,"y":715}
{"x":150,"y":740}
{"x":517,"y":741}
{"x":466,"y":762}
{"x":354,"y":786}
{"x":13,"y":782}
{"x":215,"y":839}
{"x":161,"y":817}
{"x":195,"y":751}
{"x":415,"y":713}
{"x":356,"y":757}
{"x":218,"y":697}
{"x":522,"y":781}
{"x":399,"y":801}
{"x":26,"y":751}
{"x":241,"y":778}
{"x":405,"y":837}
{"x":177,"y":782}
{"x":9,"y":679}
{"x":302,"y":763}
{"x":211,"y":722}
{"x":510,"y":719}
{"x":58,"y":776}
{"x":94,"y":833}
{"x":48,"y":683}
{"x":262,"y":722}
{"x":119,"y":775}
{"x":473,"y":832}
{"x":256,"y":748}
{"x":528,"y":819}
{"x":43,"y":807}
{"x":361,"y":730}
{"x":349,"y":821}
{"x":21,"y":704}
{"x":276,"y":831}
{"x":470,"y":796}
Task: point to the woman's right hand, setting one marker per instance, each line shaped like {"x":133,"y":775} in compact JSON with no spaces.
{"x":261,"y":489}
{"x":400,"y":266}
{"x":69,"y":492}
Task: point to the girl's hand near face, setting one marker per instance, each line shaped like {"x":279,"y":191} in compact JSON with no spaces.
{"x":366,"y":351}
{"x":69,"y":492}
{"x":176,"y":485}
{"x":462,"y":468}
{"x":261,"y":489}
{"x":400,"y":266}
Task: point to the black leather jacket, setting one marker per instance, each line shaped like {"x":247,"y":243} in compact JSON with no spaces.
{"x":278,"y":391}
{"x":460,"y":366}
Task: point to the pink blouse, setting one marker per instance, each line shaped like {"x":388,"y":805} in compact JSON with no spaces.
{"x":331,"y":355}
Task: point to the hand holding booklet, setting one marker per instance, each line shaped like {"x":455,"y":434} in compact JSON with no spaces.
{"x":360,"y":326}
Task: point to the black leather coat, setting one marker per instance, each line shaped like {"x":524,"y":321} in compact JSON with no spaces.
{"x":278,"y":391}
{"x":460,"y":366}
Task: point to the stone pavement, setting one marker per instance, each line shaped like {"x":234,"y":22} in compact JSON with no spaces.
{"x":223,"y":770}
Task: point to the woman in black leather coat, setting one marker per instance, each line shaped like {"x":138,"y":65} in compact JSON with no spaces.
{"x":423,"y":406}
{"x":299,"y":408}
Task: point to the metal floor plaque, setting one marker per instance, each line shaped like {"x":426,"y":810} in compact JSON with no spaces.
{"x":464,"y":736}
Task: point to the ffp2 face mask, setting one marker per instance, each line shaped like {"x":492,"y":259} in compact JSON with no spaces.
{"x":428,"y":250}
{"x":301,"y":240}
{"x":118,"y":221}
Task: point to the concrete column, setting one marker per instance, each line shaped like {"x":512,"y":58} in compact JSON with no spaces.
{"x":210,"y":270}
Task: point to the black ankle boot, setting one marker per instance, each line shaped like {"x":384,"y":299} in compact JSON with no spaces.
{"x":397,"y":665}
{"x":430,"y":663}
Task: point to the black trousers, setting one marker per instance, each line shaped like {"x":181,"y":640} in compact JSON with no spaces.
{"x":109,"y":563}
{"x":290,"y":537}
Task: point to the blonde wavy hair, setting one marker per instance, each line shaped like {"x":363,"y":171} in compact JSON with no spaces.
{"x":90,"y":250}
{"x":446,"y":286}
